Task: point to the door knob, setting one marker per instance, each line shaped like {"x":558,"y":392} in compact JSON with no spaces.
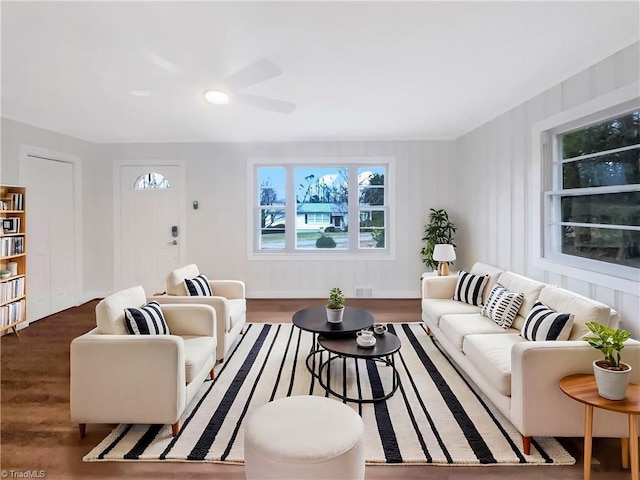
{"x":175,"y":242}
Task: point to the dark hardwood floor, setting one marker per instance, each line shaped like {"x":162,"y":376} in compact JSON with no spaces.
{"x":37,"y":433}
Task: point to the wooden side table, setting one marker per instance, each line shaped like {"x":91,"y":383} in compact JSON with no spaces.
{"x":583,"y":389}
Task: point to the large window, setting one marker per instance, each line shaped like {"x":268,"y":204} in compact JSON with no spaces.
{"x":321,"y":208}
{"x":592,"y":212}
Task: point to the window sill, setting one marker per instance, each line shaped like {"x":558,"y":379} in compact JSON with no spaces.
{"x":332,"y":257}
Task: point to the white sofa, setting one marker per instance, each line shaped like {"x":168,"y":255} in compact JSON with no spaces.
{"x":228,"y":301}
{"x":521,"y":377}
{"x":122,"y":378}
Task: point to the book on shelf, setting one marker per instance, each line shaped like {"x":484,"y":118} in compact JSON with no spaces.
{"x":12,"y":313}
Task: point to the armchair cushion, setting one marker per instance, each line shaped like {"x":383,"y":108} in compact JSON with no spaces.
{"x":175,"y":280}
{"x":110,"y":310}
{"x":197,"y":352}
{"x":198,"y":286}
{"x":147,"y":320}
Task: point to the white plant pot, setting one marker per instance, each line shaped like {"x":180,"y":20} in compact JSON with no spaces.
{"x":334,"y":316}
{"x":612,"y":384}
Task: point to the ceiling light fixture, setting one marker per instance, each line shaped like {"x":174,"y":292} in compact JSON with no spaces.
{"x":216,"y":97}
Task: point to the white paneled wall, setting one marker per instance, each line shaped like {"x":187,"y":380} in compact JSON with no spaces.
{"x":217,"y":236}
{"x":496,"y":169}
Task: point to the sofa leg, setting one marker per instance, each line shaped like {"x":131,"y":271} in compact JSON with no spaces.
{"x":175,"y":428}
{"x":428,"y":331}
{"x":212,"y":374}
{"x":220,"y":360}
{"x":526,"y":445}
{"x":82,"y":427}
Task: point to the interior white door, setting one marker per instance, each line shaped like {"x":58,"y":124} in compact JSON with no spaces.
{"x":149,"y":228}
{"x":50,"y":236}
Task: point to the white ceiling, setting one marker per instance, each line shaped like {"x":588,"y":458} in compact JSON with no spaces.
{"x":357,"y":70}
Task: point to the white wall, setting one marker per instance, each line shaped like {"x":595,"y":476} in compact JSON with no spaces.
{"x":96,"y":256}
{"x":216,"y":236}
{"x":496,"y":168}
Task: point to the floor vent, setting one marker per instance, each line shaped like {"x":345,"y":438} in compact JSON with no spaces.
{"x":364,"y":292}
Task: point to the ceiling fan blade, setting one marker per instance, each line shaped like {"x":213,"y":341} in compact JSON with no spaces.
{"x":279,"y":106}
{"x":257,"y":72}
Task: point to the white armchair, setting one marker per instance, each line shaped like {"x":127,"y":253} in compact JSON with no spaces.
{"x":122,"y":378}
{"x":228,"y":300}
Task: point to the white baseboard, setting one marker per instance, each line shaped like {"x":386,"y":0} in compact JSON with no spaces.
{"x":88,"y":296}
{"x":323,"y":294}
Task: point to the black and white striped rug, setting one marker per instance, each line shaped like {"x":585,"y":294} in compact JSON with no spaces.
{"x":434,"y":417}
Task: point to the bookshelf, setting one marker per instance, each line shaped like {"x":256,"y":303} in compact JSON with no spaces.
{"x":13,"y":256}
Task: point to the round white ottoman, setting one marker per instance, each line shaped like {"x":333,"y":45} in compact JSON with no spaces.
{"x":304,"y":437}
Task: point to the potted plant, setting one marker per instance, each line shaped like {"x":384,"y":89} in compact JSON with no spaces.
{"x":4,"y":273}
{"x":612,"y":375}
{"x":439,"y":229}
{"x":335,"y":306}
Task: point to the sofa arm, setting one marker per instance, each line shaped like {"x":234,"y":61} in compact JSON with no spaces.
{"x":439,"y":287}
{"x":538,"y":406}
{"x":184,"y":319}
{"x":127,"y":378}
{"x":228,"y":288}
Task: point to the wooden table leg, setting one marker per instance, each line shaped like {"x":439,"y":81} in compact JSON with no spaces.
{"x":624,"y":447}
{"x":633,"y":445}
{"x":588,"y":432}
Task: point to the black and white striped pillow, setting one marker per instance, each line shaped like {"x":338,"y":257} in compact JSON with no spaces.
{"x":545,"y":324}
{"x":198,"y":287}
{"x":147,"y":320}
{"x":470,"y":287}
{"x":502,"y":305}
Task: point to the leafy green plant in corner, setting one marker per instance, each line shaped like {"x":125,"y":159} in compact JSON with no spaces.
{"x":336,"y":299}
{"x":439,"y":229}
{"x":610,"y":342}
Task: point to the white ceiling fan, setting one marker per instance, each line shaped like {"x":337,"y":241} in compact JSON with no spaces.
{"x":252,"y":74}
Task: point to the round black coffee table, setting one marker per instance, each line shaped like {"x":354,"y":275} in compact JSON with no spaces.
{"x":314,"y":320}
{"x":383,"y":351}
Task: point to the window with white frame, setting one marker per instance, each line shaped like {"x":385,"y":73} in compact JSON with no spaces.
{"x":592,"y":210}
{"x":312,"y":208}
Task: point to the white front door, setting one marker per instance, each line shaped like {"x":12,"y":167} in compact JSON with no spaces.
{"x":50,"y":235}
{"x":149,"y":243}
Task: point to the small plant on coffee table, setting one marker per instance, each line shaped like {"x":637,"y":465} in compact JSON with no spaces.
{"x":336,"y":299}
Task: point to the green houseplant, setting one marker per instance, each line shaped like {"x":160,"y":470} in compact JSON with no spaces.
{"x":5,"y":273}
{"x":335,"y":306}
{"x":612,"y":375}
{"x":439,"y":229}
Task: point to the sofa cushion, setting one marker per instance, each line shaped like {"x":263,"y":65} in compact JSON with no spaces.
{"x":530,"y":288}
{"x":544,"y":323}
{"x":491,"y":355}
{"x":197,"y":351}
{"x":198,"y":286}
{"x":147,"y":320}
{"x":110,"y":310}
{"x":455,"y":327}
{"x":484,"y":269}
{"x":434,"y":308}
{"x":502,"y":305}
{"x":584,"y":309}
{"x":175,"y":280}
{"x":470,"y":287}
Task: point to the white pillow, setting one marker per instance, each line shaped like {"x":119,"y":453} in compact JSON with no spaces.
{"x":542,"y":323}
{"x":502,"y":305}
{"x":470,"y":287}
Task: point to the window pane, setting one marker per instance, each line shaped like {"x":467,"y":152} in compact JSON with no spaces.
{"x":609,"y":209}
{"x":621,"y":168}
{"x":371,"y":185}
{"x":272,"y":229}
{"x":617,"y":132}
{"x":322,"y":207}
{"x":151,"y":181}
{"x":372,"y":231}
{"x":271,"y":186}
{"x":621,"y":247}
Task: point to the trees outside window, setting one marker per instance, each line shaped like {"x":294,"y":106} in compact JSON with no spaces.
{"x":594,"y":208}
